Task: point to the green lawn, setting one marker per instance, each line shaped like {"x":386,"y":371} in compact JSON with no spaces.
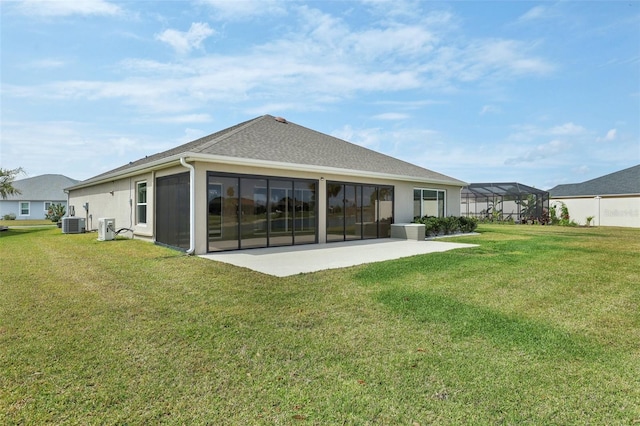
{"x":537,"y":325}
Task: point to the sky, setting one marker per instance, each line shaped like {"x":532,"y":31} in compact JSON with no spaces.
{"x":540,"y":93}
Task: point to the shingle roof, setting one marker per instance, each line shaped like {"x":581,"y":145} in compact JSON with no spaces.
{"x":625,"y":181}
{"x":269,"y":139}
{"x":42,"y":188}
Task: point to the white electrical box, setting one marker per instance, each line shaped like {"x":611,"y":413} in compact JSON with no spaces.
{"x":106,"y":229}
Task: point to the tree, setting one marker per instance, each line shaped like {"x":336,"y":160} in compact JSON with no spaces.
{"x":7,"y":177}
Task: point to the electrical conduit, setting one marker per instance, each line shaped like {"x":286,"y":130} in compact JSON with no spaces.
{"x":192,"y":205}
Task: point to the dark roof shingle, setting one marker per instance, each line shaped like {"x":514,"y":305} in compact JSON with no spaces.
{"x":49,"y":187}
{"x":625,"y":181}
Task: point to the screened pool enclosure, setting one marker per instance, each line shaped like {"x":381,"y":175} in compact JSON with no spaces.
{"x":509,"y":201}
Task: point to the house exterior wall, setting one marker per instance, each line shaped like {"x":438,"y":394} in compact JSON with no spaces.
{"x":36,"y":208}
{"x":607,"y":210}
{"x":118,"y":198}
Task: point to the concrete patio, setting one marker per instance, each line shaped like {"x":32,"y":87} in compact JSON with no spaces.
{"x":292,"y":260}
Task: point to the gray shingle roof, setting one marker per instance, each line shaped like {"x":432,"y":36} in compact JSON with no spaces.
{"x":625,"y":181}
{"x":42,"y":188}
{"x":268,"y":139}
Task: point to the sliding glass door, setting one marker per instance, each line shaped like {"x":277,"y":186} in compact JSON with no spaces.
{"x":255,"y":211}
{"x":356,"y":211}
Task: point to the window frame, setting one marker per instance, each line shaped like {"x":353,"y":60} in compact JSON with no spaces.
{"x":438,"y":191}
{"x":28,"y":203}
{"x":140,"y":204}
{"x":47,"y":206}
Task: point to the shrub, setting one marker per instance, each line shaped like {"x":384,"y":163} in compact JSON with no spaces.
{"x":450,"y":224}
{"x":432,"y":225}
{"x":10,"y":216}
{"x":55,"y":212}
{"x":467,"y":224}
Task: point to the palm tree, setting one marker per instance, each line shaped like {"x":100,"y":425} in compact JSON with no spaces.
{"x":6,"y":182}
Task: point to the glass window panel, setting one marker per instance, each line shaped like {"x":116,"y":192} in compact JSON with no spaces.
{"x":352,"y":217}
{"x":385,"y":211}
{"x":417,"y":206}
{"x":141,"y":203}
{"x":223,"y":213}
{"x":369,"y":212}
{"x":305,"y":224}
{"x":281,"y":213}
{"x":335,"y":212}
{"x":253,"y":213}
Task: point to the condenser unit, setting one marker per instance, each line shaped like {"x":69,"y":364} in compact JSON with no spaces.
{"x":73,"y":225}
{"x":106,"y":229}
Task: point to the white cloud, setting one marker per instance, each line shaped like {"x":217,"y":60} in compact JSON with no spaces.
{"x":540,"y":152}
{"x":184,"y":42}
{"x":244,"y":9}
{"x":609,"y":137}
{"x":535,"y":12}
{"x":321,"y":61}
{"x":489,"y":109}
{"x":58,"y":8}
{"x":368,"y":138}
{"x":391,"y":116}
{"x":528,"y":132}
{"x":567,"y":129}
{"x":47,"y":64}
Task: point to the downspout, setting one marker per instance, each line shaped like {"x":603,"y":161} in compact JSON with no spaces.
{"x":192,"y":205}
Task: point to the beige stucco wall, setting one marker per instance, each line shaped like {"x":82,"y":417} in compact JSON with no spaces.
{"x":118,"y":198}
{"x":607,"y":210}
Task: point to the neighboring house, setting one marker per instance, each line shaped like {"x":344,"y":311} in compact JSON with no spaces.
{"x":612,"y":200}
{"x":36,"y":195}
{"x":263,"y":183}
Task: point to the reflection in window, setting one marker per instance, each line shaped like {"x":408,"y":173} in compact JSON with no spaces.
{"x":428,"y":202}
{"x":357,"y":211}
{"x":248,"y":212}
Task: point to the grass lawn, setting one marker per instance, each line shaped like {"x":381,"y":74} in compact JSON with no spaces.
{"x":34,"y":222}
{"x":537,"y":325}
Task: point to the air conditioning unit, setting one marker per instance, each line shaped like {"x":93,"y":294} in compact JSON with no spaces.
{"x":106,"y":229}
{"x":73,"y":225}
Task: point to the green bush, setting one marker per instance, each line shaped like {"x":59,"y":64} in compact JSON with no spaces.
{"x":55,"y":212}
{"x":450,"y":224}
{"x":446,"y":225}
{"x":467,"y":224}
{"x":10,"y":216}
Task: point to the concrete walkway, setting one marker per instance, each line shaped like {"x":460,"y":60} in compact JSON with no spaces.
{"x":285,"y":261}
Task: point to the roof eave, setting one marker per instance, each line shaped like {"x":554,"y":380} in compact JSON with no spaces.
{"x":238,"y":161}
{"x":602,"y":195}
{"x":317,"y":169}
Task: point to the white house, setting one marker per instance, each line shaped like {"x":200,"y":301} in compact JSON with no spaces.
{"x":262,"y":183}
{"x":36,"y":195}
{"x":612,"y":200}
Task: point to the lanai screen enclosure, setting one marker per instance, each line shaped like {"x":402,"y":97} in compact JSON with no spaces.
{"x":510,"y":201}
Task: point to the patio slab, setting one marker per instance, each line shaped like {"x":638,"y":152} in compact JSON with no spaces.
{"x":292,"y":260}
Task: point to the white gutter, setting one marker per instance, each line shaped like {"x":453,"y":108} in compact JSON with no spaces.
{"x":192,"y":205}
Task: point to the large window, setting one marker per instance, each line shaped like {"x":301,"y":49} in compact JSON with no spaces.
{"x":260,"y":211}
{"x":25,"y":208}
{"x":356,"y":211}
{"x":141,"y":203}
{"x":429,"y":202}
